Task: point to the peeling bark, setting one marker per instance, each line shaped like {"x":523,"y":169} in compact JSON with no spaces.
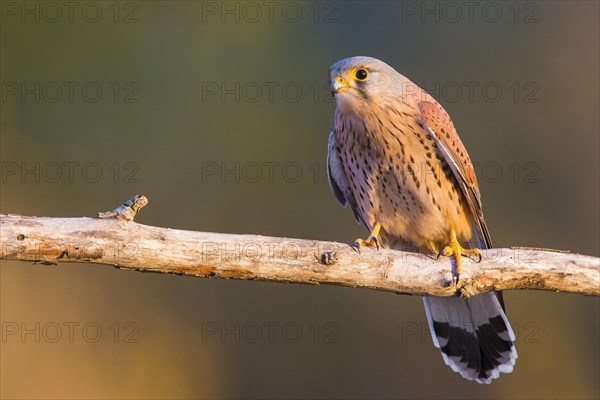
{"x":115,"y":239}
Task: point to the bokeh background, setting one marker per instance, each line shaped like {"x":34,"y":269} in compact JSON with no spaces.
{"x":141,"y":97}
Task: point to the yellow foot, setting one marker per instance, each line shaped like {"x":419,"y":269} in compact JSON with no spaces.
{"x":371,"y":241}
{"x":455,"y":249}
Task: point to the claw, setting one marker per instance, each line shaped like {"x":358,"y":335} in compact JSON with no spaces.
{"x":456,"y":278}
{"x":455,"y":249}
{"x":371,"y":241}
{"x":376,"y":240}
{"x":477,"y":253}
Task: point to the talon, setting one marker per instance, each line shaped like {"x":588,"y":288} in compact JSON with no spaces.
{"x":456,"y":279}
{"x":376,"y":240}
{"x":455,"y":249}
{"x":477,"y":253}
{"x":371,"y":241}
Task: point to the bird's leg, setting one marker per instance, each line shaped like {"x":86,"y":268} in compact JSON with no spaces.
{"x":371,"y":241}
{"x":455,"y":249}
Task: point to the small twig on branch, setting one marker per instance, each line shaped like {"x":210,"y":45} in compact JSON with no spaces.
{"x":128,"y":210}
{"x":114,"y":239}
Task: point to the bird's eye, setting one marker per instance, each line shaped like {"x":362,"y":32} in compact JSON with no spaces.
{"x":361,"y":74}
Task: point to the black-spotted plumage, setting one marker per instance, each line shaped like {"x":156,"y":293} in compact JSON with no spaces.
{"x":396,"y":159}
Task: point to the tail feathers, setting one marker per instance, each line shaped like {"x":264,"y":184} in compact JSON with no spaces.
{"x":474,"y":335}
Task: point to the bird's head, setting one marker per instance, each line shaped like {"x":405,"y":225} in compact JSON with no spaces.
{"x":357,"y":81}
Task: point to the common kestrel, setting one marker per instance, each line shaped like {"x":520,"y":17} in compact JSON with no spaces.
{"x":394,"y":156}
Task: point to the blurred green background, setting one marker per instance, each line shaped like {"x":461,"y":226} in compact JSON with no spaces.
{"x":141,"y":97}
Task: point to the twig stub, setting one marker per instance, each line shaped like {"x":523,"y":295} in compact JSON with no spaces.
{"x":128,"y":210}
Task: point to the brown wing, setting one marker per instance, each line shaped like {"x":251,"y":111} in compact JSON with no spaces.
{"x":338,"y":180}
{"x":334,"y":171}
{"x":438,"y":124}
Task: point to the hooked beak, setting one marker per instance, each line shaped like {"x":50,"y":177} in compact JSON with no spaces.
{"x":338,"y":85}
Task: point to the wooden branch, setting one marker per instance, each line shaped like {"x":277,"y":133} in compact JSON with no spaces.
{"x":115,"y":239}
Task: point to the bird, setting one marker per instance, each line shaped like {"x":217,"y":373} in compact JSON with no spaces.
{"x":394,"y":156}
